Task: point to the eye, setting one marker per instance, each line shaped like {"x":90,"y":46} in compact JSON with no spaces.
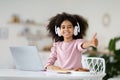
{"x":70,"y":26}
{"x":62,"y":27}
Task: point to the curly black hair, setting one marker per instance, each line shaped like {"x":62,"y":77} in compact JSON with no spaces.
{"x":73,"y":18}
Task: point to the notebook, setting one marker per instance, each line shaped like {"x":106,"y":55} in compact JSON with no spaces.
{"x":26,"y":58}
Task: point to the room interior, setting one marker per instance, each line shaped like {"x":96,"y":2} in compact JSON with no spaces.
{"x":24,"y":22}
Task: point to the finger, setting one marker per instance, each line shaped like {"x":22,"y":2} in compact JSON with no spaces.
{"x":95,"y":44}
{"x":94,"y":36}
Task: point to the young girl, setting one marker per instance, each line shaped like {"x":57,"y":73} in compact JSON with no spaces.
{"x":67,"y":30}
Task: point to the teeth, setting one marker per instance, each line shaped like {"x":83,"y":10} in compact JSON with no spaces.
{"x":66,"y":33}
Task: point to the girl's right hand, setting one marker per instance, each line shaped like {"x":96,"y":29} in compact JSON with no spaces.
{"x":52,"y":67}
{"x":58,"y":69}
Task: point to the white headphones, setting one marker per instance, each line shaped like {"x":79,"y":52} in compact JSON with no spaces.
{"x":76,"y":30}
{"x":57,"y":31}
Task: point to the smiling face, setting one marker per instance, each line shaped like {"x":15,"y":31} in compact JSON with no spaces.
{"x":67,"y":30}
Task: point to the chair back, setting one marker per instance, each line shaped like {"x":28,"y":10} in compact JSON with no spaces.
{"x":94,"y":64}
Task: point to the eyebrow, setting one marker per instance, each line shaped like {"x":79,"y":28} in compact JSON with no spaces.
{"x":68,"y":25}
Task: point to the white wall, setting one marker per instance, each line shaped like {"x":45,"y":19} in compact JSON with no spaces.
{"x":42,"y":10}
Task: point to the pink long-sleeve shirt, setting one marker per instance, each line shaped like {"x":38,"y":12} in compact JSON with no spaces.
{"x":67,"y":54}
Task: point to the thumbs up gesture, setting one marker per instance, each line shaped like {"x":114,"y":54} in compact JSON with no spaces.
{"x":93,"y":42}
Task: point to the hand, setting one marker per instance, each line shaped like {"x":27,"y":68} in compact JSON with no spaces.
{"x":82,"y":69}
{"x":58,"y":69}
{"x":94,"y":41}
{"x":52,"y":67}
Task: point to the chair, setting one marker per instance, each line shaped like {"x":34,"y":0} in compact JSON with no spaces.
{"x":95,"y":65}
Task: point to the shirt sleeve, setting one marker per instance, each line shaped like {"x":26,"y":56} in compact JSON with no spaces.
{"x":80,"y":42}
{"x":53,"y":56}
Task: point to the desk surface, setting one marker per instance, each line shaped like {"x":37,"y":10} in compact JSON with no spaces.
{"x":47,"y":75}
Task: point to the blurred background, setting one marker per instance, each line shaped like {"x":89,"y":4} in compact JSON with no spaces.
{"x":23,"y":22}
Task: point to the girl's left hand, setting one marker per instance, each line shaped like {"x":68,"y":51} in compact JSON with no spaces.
{"x":94,"y":41}
{"x":82,"y":69}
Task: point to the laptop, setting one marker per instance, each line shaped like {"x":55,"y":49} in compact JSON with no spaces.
{"x":26,"y":58}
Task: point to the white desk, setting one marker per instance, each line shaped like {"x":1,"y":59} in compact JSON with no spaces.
{"x":14,"y":74}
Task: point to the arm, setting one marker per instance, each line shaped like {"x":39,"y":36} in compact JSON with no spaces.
{"x":93,"y":42}
{"x":52,"y":57}
{"x":51,"y":60}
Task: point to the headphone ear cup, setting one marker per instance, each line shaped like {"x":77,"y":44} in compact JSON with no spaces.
{"x":75,"y":31}
{"x":58,"y":31}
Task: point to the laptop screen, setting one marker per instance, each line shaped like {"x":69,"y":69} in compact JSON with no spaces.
{"x":26,"y":58}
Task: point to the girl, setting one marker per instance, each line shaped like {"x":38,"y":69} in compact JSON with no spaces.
{"x":67,"y":30}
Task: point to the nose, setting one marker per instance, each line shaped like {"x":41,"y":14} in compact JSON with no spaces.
{"x":66,"y":28}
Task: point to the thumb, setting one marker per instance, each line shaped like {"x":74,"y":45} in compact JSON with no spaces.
{"x":94,"y":36}
{"x":94,"y":41}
